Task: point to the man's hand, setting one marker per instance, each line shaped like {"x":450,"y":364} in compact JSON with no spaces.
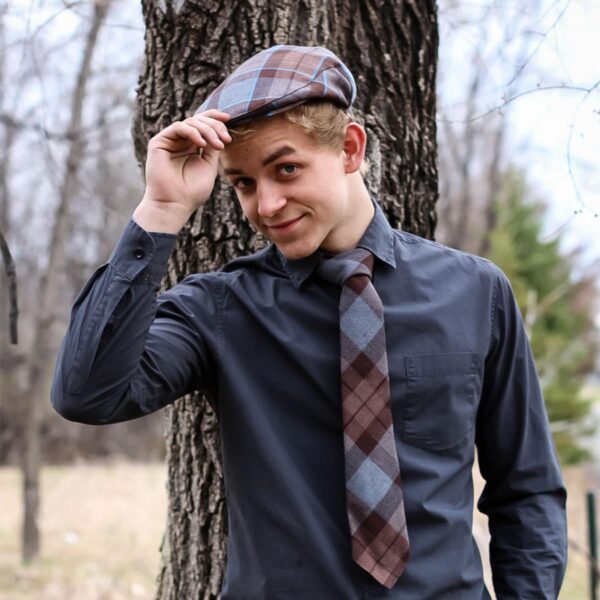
{"x":181,"y":168}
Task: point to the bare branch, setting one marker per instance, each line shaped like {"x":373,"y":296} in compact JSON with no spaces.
{"x":511,"y":99}
{"x":542,"y":40}
{"x":67,"y":136}
{"x":582,"y":204}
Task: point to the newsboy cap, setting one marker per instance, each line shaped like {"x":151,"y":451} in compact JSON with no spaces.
{"x":280,"y":78}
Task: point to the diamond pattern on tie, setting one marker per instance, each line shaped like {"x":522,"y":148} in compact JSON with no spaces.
{"x":375,"y":504}
{"x":369,"y":483}
{"x":359,"y":323}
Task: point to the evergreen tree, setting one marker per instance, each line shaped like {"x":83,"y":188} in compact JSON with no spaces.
{"x":557,"y":308}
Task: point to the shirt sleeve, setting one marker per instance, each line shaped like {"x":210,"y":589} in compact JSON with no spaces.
{"x":126,"y":353}
{"x":524,"y":495}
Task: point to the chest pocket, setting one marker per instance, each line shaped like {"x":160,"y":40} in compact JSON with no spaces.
{"x":442,"y":390}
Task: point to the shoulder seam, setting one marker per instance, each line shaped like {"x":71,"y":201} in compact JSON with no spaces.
{"x":411,"y":238}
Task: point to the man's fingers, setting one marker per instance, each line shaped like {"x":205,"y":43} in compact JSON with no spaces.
{"x":210,"y":155}
{"x":177,"y":131}
{"x":180,"y":135}
{"x":202,"y":131}
{"x":217,"y":126}
{"x":213,"y":113}
{"x":209,"y":133}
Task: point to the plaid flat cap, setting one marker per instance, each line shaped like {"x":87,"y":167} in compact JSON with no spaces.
{"x":280,"y":78}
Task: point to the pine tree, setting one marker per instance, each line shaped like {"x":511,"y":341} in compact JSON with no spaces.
{"x":558,"y":310}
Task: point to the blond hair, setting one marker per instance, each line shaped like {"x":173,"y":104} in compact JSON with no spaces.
{"x":323,"y":122}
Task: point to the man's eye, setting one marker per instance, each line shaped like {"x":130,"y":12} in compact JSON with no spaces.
{"x":288,"y":169}
{"x":243,"y":182}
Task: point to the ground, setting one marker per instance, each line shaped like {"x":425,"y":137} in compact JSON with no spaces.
{"x":102,"y":526}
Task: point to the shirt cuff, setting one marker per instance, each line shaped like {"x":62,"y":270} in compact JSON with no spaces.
{"x":142,"y":255}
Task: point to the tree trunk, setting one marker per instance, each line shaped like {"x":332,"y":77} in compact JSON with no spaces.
{"x":49,"y":290}
{"x":391,"y":48}
{"x":7,"y":140}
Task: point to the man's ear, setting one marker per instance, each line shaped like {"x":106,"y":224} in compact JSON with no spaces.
{"x":354,"y":146}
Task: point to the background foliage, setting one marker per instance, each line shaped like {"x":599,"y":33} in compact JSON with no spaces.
{"x":558,"y":306}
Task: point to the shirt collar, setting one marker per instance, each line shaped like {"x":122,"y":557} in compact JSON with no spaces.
{"x":378,"y":239}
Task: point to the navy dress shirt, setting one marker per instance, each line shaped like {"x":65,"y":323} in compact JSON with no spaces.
{"x":262,"y":338}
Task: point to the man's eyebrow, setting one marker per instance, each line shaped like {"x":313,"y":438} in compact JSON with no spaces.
{"x":283,"y":151}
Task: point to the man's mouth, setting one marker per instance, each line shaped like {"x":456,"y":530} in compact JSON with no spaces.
{"x":285,"y":225}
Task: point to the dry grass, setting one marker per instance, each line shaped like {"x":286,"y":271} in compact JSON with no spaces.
{"x":102,"y":524}
{"x":579,"y":480}
{"x":101,"y":528}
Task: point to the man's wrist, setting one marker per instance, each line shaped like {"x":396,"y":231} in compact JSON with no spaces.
{"x":160,"y":217}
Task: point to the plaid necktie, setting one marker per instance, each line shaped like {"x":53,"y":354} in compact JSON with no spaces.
{"x":373,"y":494}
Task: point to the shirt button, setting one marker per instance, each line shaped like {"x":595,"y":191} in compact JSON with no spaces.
{"x":139,"y":253}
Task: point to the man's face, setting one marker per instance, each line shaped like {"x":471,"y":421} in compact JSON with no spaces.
{"x":292,"y":190}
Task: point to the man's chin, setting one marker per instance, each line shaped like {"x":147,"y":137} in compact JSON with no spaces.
{"x":295,"y":251}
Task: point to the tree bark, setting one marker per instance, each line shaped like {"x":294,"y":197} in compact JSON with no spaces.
{"x":49,"y":290}
{"x":391,"y":48}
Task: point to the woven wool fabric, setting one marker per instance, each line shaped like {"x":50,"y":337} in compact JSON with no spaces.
{"x":373,"y":487}
{"x":280,"y":78}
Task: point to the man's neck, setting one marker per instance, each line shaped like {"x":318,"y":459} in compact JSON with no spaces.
{"x":362,"y":208}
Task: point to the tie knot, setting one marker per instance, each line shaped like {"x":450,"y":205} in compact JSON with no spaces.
{"x":340,"y":267}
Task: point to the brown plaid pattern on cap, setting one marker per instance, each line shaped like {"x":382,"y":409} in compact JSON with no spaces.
{"x":374,"y":497}
{"x":280,"y":78}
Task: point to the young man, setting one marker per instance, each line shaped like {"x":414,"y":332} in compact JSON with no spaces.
{"x":354,"y":367}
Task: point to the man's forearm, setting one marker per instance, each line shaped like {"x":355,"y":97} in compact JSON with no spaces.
{"x":103,"y":345}
{"x":528,"y":548}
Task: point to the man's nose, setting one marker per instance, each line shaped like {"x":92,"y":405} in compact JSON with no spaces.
{"x":270,"y":200}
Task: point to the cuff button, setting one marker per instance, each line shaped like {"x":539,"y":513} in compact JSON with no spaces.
{"x":139,"y":253}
